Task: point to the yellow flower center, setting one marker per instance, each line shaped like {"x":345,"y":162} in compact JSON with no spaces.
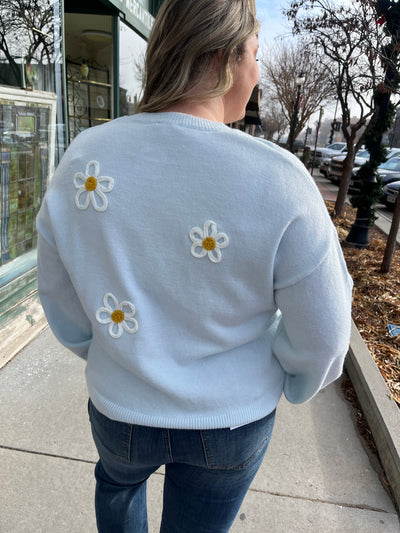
{"x":117,"y":316}
{"x":91,"y":183}
{"x":209,"y":243}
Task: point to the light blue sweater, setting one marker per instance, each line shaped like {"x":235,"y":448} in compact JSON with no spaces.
{"x":195,"y":268}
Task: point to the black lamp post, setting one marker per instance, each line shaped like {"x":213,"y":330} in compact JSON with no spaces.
{"x":321,"y":113}
{"x":299,"y":82}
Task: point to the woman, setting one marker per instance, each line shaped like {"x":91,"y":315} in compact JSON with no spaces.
{"x":197,"y":271}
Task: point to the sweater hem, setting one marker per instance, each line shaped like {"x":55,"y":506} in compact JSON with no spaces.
{"x":242,"y":416}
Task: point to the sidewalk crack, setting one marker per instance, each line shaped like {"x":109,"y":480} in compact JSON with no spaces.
{"x":46,"y":454}
{"x":317,"y":500}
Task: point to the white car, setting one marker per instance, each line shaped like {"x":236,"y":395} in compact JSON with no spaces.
{"x":324,"y":166}
{"x":329,"y":151}
{"x":335,"y":170}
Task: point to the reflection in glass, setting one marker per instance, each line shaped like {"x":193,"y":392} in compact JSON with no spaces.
{"x":30,"y":58}
{"x":27,"y":44}
{"x":89,"y":67}
{"x":131,"y":69}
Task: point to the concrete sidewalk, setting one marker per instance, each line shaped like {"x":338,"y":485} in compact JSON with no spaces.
{"x":316,"y":476}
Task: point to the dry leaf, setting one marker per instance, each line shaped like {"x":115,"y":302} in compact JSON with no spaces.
{"x":376,"y":299}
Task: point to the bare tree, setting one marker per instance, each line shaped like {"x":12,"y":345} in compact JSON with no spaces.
{"x":26,"y":33}
{"x":350,"y":40}
{"x":273,"y":121}
{"x":139,"y":64}
{"x":280,"y":67}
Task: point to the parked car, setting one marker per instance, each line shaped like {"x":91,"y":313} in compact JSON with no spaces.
{"x":393,"y":152}
{"x":389,"y":170}
{"x":335,"y":169}
{"x":390,"y":194}
{"x":325,"y":165}
{"x":297,"y":144}
{"x":329,"y":151}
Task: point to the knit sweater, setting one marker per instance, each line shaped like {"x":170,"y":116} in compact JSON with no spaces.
{"x":195,"y":268}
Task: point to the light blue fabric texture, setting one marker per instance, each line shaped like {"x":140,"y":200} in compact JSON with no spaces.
{"x":195,"y":268}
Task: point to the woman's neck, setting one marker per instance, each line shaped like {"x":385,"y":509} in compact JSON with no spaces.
{"x":210,"y":109}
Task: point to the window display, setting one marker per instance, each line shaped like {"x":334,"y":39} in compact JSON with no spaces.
{"x":89,"y":66}
{"x":30,"y":142}
{"x":27,"y":161}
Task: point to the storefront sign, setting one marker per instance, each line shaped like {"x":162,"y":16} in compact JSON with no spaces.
{"x":136,"y":15}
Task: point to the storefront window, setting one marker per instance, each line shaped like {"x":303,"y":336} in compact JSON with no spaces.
{"x":131,"y":68}
{"x":27,"y":44}
{"x":89,"y":65}
{"x":30,"y":141}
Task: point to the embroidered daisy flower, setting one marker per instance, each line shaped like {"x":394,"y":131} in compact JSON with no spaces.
{"x":92,"y":187}
{"x":208,"y":241}
{"x":119,"y":316}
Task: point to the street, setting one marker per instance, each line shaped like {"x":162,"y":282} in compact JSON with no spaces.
{"x":329,"y":191}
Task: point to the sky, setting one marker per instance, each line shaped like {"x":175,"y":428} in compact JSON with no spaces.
{"x":273,"y":23}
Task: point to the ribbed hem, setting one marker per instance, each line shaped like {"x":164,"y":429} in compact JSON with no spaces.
{"x":236,"y":417}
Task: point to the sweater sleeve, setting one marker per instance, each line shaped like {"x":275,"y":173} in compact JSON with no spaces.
{"x":61,"y":304}
{"x":313,"y":335}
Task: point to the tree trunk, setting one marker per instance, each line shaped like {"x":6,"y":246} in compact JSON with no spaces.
{"x":392,"y":238}
{"x":344,"y":183}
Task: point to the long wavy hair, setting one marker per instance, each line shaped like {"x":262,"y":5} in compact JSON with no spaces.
{"x":184,"y":41}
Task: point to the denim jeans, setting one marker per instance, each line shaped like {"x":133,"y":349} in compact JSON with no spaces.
{"x":207,"y":473}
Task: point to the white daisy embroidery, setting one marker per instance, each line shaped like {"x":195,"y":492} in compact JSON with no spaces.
{"x":92,"y":187}
{"x":119,"y":316}
{"x":209,"y":241}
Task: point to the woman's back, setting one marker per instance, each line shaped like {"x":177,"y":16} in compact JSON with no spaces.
{"x":188,"y":224}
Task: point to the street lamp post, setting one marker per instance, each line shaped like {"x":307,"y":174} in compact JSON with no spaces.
{"x":299,"y":82}
{"x":321,"y":112}
{"x":334,"y":124}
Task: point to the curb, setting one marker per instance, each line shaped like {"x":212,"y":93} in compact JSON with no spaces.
{"x":381,"y":412}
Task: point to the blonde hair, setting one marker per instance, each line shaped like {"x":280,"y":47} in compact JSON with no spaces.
{"x":182,"y":48}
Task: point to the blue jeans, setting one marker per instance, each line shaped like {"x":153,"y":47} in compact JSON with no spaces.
{"x":207,"y":473}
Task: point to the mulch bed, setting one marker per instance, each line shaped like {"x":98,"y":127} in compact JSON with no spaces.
{"x":376,"y":298}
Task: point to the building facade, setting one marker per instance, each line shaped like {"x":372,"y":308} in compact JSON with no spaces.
{"x":65,"y":65}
